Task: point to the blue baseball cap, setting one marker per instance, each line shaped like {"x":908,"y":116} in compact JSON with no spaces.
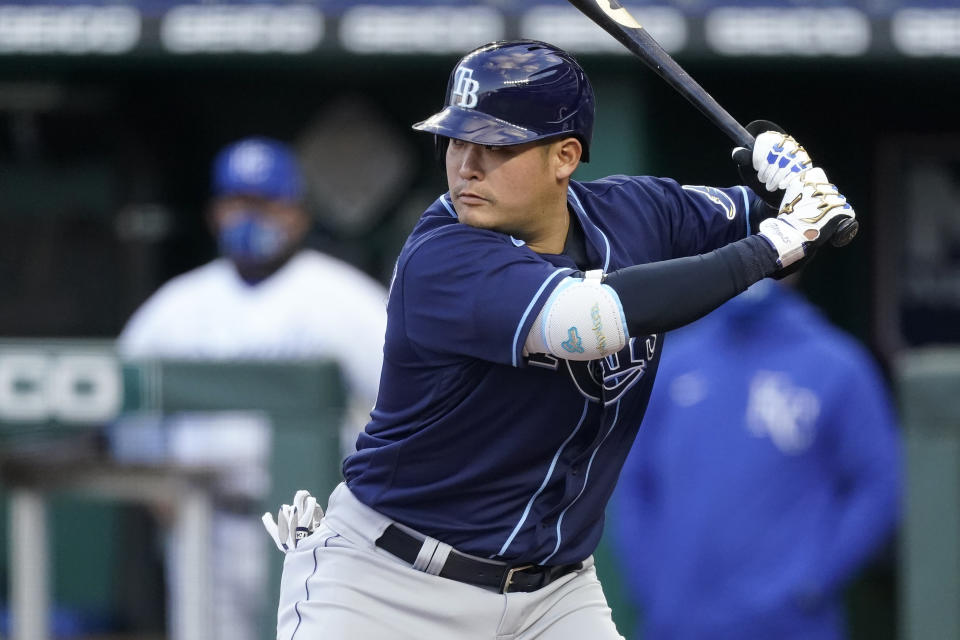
{"x":260,"y":167}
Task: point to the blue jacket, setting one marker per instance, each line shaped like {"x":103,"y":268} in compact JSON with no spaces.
{"x":765,"y":473}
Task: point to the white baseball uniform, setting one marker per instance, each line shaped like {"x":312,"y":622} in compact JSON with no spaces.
{"x":314,"y":306}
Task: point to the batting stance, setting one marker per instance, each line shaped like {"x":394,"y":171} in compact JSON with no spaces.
{"x":525,"y":322}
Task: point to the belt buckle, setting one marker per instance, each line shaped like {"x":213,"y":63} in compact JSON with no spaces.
{"x":508,"y":579}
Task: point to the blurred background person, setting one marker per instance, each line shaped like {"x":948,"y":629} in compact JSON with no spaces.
{"x":266,"y":297}
{"x":766,"y":474}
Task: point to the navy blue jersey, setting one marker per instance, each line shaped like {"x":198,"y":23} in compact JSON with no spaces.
{"x":496,"y":453}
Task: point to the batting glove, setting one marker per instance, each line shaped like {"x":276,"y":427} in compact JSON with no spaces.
{"x":294,"y":522}
{"x":810,"y":213}
{"x":779,"y":160}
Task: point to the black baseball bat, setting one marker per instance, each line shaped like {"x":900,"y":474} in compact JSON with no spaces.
{"x":613,"y":18}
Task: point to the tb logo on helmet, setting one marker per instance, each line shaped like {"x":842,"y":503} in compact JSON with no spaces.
{"x":466,"y":88}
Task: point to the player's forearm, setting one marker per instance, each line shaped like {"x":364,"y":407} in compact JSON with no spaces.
{"x":589,"y":317}
{"x":862,"y":530}
{"x":661,"y":296}
{"x":869,"y":507}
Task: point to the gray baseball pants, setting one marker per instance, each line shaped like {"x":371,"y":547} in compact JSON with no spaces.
{"x":338,"y":585}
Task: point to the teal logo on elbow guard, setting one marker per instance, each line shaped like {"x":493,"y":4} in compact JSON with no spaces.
{"x":598,"y":328}
{"x":573,"y":344}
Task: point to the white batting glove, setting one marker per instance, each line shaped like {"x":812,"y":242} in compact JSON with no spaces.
{"x":778,"y":159}
{"x":810,"y":212}
{"x":294,"y":522}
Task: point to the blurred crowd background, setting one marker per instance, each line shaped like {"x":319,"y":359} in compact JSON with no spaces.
{"x":111,"y":113}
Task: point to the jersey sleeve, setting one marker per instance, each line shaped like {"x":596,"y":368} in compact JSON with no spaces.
{"x":697,"y":219}
{"x":470,"y":292}
{"x":360,"y":352}
{"x":147,"y":332}
{"x":866,"y":458}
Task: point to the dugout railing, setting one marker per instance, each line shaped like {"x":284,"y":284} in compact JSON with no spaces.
{"x":71,"y":565}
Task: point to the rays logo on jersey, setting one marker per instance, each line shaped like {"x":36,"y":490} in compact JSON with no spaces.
{"x":717,"y":197}
{"x":624,"y":369}
{"x":607,"y":379}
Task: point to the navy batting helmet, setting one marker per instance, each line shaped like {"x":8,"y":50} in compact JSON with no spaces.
{"x":514,"y":92}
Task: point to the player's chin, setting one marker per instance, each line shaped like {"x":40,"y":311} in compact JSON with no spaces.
{"x":477,"y":216}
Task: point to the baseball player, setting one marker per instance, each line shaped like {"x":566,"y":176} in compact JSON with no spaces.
{"x":266,"y":298}
{"x":525,"y":321}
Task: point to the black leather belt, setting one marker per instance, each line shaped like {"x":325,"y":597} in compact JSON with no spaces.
{"x":476,"y":571}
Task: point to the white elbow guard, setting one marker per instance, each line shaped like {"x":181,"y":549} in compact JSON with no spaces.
{"x":582,"y":320}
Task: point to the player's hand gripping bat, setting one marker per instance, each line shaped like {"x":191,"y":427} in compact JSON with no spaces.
{"x":617,"y":21}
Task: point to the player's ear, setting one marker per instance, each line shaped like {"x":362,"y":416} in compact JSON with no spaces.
{"x":301,"y":222}
{"x":212,"y":218}
{"x":567,"y":153}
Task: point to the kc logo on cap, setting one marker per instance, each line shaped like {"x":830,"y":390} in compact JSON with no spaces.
{"x":251,"y":162}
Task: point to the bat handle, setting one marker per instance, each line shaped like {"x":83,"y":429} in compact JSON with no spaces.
{"x":740,"y":136}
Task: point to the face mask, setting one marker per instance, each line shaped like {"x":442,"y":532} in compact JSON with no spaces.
{"x":251,"y":238}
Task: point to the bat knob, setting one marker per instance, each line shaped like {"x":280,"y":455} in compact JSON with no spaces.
{"x":845,"y":233}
